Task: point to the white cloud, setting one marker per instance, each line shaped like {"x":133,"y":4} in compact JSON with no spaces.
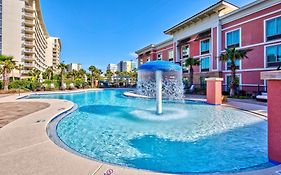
{"x":133,"y":55}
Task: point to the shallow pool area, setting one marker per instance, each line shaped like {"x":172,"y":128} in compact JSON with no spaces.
{"x":190,"y":137}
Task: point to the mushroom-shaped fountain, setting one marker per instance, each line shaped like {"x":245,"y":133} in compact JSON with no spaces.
{"x":160,"y":80}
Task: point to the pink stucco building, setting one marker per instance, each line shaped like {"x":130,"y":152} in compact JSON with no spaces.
{"x":205,"y":36}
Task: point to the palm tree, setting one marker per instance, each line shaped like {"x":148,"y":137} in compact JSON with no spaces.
{"x":95,"y":74}
{"x":35,"y":73}
{"x":7,"y":65}
{"x":20,"y":67}
{"x":233,"y":54}
{"x":108,"y":75}
{"x":190,"y":62}
{"x":62,"y":67}
{"x":49,"y":72}
{"x":81,"y":73}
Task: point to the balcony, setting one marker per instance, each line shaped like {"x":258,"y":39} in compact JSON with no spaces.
{"x":29,"y":30}
{"x":28,"y":58}
{"x":28,"y":9}
{"x":29,"y":23}
{"x":29,"y":65}
{"x":28,"y":44}
{"x":30,"y":51}
{"x":28,"y":37}
{"x":28,"y":16}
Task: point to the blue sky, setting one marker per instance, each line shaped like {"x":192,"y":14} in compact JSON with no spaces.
{"x":99,"y":32}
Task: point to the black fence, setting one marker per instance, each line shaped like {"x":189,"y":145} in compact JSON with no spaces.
{"x":242,"y":90}
{"x":246,"y":90}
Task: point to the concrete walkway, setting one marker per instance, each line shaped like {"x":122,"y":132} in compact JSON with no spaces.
{"x":25,"y":148}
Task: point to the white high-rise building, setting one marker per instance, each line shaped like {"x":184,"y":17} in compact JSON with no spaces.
{"x":112,"y":67}
{"x":74,"y":66}
{"x":24,"y":35}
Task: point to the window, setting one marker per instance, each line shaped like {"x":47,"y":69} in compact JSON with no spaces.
{"x":273,"y":29}
{"x":141,"y":62}
{"x":205,"y":46}
{"x":185,"y":51}
{"x":205,"y":64}
{"x":273,"y":56}
{"x":228,"y":80}
{"x":171,"y":55}
{"x":233,"y":39}
{"x":148,"y":59}
{"x":159,"y":56}
{"x":237,"y":64}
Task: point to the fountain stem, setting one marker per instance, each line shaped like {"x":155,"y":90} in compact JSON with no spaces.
{"x":159,"y":92}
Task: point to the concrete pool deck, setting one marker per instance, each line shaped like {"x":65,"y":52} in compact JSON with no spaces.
{"x":26,"y":149}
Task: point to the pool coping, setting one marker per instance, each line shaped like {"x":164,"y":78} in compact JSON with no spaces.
{"x":86,"y":166}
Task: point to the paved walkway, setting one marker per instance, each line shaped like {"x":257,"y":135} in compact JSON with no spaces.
{"x":11,"y":111}
{"x":26,"y":149}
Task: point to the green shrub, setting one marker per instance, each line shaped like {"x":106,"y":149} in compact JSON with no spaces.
{"x":24,"y":84}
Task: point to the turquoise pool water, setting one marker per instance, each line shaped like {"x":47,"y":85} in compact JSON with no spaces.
{"x":189,"y":137}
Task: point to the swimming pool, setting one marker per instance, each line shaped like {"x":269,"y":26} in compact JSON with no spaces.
{"x":190,"y":137}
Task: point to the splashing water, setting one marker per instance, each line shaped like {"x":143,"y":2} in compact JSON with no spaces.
{"x":172,"y":85}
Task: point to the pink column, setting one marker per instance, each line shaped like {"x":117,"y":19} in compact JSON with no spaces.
{"x":274,"y":113}
{"x":214,"y":91}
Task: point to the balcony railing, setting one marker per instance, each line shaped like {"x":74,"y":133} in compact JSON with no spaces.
{"x":28,"y":50}
{"x":29,"y":22}
{"x":29,"y":9}
{"x":29,"y":65}
{"x":29,"y":29}
{"x":28,"y":58}
{"x":28,"y":36}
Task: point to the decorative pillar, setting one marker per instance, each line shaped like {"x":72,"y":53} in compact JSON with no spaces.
{"x":214,"y":91}
{"x":274,"y":114}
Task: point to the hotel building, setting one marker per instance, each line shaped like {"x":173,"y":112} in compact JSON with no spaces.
{"x":24,"y":35}
{"x":112,"y":67}
{"x":205,"y":36}
{"x":126,"y":66}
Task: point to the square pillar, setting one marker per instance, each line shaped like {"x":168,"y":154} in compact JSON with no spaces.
{"x":214,"y":91}
{"x":274,"y":114}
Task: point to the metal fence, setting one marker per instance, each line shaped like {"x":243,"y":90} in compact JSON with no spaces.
{"x":242,"y":90}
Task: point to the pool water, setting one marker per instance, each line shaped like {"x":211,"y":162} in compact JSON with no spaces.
{"x":189,"y":137}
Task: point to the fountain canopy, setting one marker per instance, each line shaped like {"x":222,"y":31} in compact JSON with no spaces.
{"x":163,"y":66}
{"x":164,"y":76}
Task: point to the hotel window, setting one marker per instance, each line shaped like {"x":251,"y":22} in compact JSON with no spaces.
{"x":205,"y":64}
{"x":273,"y":29}
{"x":237,"y":64}
{"x":273,"y":56}
{"x":171,"y":55}
{"x":185,"y":51}
{"x":205,"y":46}
{"x":159,"y":56}
{"x":233,"y":39}
{"x":228,"y":80}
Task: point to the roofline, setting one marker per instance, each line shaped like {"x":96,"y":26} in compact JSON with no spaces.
{"x":200,"y":13}
{"x":164,"y":42}
{"x":145,"y":48}
{"x":243,"y":8}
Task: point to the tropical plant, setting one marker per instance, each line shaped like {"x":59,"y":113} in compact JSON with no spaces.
{"x":20,"y":67}
{"x":48,"y":73}
{"x":190,"y":62}
{"x":232,"y":55}
{"x":62,"y":68}
{"x":95,"y":74}
{"x":7,"y":65}
{"x":35,"y":73}
{"x":108,"y":75}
